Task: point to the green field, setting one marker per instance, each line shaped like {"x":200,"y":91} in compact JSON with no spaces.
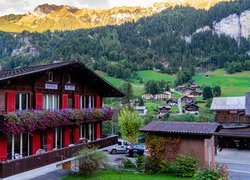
{"x":109,"y":175}
{"x":231,"y":84}
{"x":137,"y":87}
{"x":154,"y":75}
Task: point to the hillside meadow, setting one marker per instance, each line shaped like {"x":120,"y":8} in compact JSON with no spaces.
{"x":231,"y":84}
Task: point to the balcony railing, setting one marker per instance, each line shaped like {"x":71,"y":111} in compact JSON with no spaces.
{"x":33,"y":120}
{"x":35,"y":161}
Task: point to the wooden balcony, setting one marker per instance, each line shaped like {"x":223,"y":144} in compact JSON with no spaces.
{"x":35,"y":161}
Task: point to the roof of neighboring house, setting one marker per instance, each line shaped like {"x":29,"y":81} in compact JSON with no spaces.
{"x":228,"y":103}
{"x":192,"y":128}
{"x":191,"y":104}
{"x":111,"y":91}
{"x":166,"y":92}
{"x":164,"y":106}
{"x":248,"y":104}
{"x":188,"y":95}
{"x":140,"y":107}
{"x":235,"y":132}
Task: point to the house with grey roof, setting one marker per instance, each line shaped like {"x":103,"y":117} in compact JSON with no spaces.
{"x":233,"y":114}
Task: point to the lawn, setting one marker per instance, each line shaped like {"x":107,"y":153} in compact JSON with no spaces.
{"x":109,"y":175}
{"x":231,"y":84}
{"x":154,"y":75}
{"x":153,"y":106}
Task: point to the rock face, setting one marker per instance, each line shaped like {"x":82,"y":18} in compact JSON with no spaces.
{"x":235,"y":26}
{"x":52,"y":17}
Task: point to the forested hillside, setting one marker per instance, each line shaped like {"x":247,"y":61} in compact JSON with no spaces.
{"x":154,"y":42}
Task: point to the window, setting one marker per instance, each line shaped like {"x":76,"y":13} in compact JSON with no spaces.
{"x":18,"y":146}
{"x":87,"y":102}
{"x":50,"y":76}
{"x":50,"y":101}
{"x":22,"y":101}
{"x":59,"y":136}
{"x":83,"y":131}
{"x":68,"y":79}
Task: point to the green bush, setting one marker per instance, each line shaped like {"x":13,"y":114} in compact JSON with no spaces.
{"x":165,"y":167}
{"x":128,"y":164}
{"x":208,"y":174}
{"x":152,"y":165}
{"x":140,"y":164}
{"x":185,"y":166}
{"x":90,"y":160}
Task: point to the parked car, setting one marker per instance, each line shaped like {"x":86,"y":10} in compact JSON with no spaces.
{"x":119,"y":148}
{"x":135,"y":150}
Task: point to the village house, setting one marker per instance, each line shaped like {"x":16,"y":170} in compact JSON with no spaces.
{"x":48,"y":111}
{"x":194,"y":87}
{"x":233,"y":115}
{"x":196,"y":93}
{"x":191,"y":108}
{"x":163,"y":96}
{"x":180,"y":88}
{"x":163,"y":109}
{"x":188,"y":138}
{"x":172,"y":102}
{"x":142,"y":110}
{"x":188,"y":98}
{"x":147,"y":96}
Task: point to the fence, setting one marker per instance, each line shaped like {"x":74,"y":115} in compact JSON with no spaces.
{"x":32,"y":162}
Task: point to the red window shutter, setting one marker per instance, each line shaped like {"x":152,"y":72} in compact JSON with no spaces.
{"x":10,"y":102}
{"x":35,"y":142}
{"x":77,"y":134}
{"x":98,"y":131}
{"x":77,"y":101}
{"x":66,"y":136}
{"x":39,"y":101}
{"x":65,"y":101}
{"x":98,"y":101}
{"x":3,"y":148}
{"x":50,"y":140}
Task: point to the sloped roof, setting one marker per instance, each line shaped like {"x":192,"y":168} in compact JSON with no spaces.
{"x":140,"y":107}
{"x":248,"y":104}
{"x":192,"y":128}
{"x":111,"y":91}
{"x":235,"y":132}
{"x":228,"y":103}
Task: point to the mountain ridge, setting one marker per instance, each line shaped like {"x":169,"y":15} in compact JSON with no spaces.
{"x":62,"y":17}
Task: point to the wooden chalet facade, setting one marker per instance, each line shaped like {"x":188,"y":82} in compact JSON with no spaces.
{"x":232,"y":114}
{"x":54,"y":87}
{"x":188,"y":98}
{"x":191,"y":108}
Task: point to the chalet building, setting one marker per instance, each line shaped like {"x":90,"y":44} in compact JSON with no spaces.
{"x":188,"y":98}
{"x":196,"y":93}
{"x":147,"y":96}
{"x":188,"y":138}
{"x":142,"y":110}
{"x":233,"y":115}
{"x":163,"y":109}
{"x":163,"y":96}
{"x":194,"y":87}
{"x":180,"y":88}
{"x":50,"y":107}
{"x":191,"y":108}
{"x":172,"y":102}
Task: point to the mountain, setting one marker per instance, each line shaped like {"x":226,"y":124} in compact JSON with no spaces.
{"x":52,"y":17}
{"x":176,"y":39}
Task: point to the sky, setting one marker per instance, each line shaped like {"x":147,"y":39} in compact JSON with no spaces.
{"x":24,"y":6}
